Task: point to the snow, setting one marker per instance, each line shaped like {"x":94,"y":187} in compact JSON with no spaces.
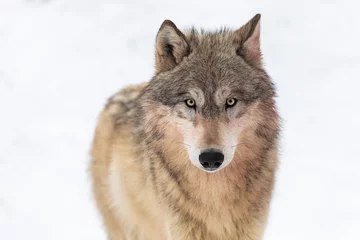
{"x":61,"y":59}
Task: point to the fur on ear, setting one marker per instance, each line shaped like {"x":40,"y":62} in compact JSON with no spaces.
{"x":171,"y":47}
{"x":247,"y":41}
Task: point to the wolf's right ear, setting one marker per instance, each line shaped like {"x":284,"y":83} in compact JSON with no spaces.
{"x":171,"y":47}
{"x":247,"y":39}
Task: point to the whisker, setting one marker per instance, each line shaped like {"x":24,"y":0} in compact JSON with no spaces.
{"x":187,"y":145}
{"x":236,"y":145}
{"x":182,"y":143}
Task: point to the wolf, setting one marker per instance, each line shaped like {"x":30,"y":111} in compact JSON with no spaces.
{"x":191,"y":154}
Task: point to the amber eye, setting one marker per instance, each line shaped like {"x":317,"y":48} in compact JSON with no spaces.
{"x":190,"y":103}
{"x":230,"y":102}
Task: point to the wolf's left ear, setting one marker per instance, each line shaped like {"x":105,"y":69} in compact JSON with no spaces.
{"x":247,"y":41}
{"x":171,"y":47}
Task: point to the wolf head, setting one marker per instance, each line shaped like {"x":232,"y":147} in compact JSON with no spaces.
{"x":210,"y":95}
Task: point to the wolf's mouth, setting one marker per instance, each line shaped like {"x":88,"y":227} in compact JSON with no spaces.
{"x":210,"y":170}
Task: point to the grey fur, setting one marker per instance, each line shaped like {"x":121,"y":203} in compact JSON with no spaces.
{"x":213,"y":64}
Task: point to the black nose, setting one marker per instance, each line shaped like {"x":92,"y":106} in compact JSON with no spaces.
{"x":211,"y":159}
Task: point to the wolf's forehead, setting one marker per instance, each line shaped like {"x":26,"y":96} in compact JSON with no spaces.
{"x":209,"y":41}
{"x":203,"y":96}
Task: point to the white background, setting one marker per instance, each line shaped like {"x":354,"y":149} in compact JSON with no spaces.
{"x":61,"y":59}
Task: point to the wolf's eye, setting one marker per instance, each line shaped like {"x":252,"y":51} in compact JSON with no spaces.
{"x":230,"y":102}
{"x":190,"y":103}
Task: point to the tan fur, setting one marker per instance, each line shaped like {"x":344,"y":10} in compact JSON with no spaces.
{"x":144,"y":183}
{"x":133,"y":212}
{"x":112,"y":166}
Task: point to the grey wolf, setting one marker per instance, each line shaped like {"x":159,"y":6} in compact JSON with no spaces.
{"x":191,"y":154}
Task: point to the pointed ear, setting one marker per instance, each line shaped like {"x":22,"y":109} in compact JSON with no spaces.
{"x":171,"y":47}
{"x":247,"y":41}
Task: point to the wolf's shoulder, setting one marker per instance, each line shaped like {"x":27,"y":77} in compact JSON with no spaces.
{"x":122,"y":105}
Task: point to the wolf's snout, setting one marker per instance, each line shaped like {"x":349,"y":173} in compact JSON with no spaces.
{"x":211,"y":159}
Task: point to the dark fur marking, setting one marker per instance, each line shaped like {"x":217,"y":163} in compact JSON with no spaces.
{"x":153,"y":173}
{"x":175,"y":176}
{"x":180,"y":114}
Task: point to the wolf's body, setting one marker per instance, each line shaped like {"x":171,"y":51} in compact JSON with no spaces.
{"x":146,"y":180}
